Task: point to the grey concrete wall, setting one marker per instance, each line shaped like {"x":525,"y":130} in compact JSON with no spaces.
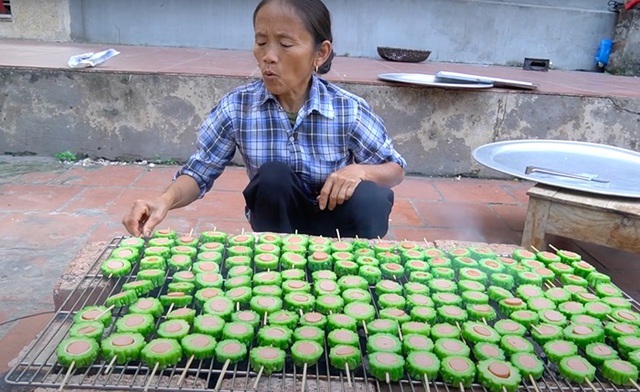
{"x":156,"y":117}
{"x":46,"y":20}
{"x":469,"y":31}
{"x":625,"y":54}
{"x":478,"y":31}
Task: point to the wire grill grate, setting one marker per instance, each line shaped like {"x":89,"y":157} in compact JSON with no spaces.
{"x":38,"y":366}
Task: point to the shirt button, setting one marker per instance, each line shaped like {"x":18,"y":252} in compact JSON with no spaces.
{"x":292,"y":139}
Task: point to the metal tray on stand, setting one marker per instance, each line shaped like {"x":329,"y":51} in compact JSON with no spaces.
{"x":580,"y":166}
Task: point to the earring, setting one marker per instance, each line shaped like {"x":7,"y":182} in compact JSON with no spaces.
{"x":316,"y":69}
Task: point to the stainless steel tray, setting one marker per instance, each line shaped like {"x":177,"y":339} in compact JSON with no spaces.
{"x":447,"y":76}
{"x":588,"y":167}
{"x":431,"y":81}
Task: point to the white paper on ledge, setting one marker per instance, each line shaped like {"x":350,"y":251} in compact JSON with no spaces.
{"x":91,"y":59}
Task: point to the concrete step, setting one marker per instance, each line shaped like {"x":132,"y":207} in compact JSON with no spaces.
{"x":148,"y":102}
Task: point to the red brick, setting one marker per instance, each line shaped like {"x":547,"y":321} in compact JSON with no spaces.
{"x":518,"y":189}
{"x":110,"y":175}
{"x":417,"y":188}
{"x":466,"y":216}
{"x":29,"y":198}
{"x":514,"y":216}
{"x":92,"y":200}
{"x":472,"y":190}
{"x":157,"y":177}
{"x":232,"y":179}
{"x":404,"y":214}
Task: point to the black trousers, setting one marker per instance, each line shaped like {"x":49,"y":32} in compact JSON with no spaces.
{"x":277,"y":202}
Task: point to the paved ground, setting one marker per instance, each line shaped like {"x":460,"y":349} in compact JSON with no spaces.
{"x":49,"y":211}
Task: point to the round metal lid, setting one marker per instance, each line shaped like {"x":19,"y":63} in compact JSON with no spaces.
{"x":430,"y":81}
{"x":581,"y":166}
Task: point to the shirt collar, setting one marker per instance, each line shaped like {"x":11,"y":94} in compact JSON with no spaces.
{"x":319,"y":98}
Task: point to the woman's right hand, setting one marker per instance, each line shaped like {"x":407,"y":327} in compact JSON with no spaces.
{"x":144,"y":216}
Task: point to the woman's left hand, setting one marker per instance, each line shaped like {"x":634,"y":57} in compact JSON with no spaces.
{"x":340,"y":185}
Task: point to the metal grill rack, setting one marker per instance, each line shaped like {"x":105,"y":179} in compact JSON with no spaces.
{"x":38,"y":367}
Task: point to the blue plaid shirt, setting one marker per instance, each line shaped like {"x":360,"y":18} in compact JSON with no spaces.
{"x":334,"y":128}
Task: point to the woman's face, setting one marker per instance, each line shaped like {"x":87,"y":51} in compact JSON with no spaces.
{"x":285,"y":50}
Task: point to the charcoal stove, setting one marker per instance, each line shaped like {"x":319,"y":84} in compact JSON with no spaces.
{"x":38,"y":366}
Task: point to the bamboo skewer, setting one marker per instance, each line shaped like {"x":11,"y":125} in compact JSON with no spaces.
{"x":364,"y":326}
{"x":400,"y":333}
{"x":460,"y":329}
{"x":611,"y":318}
{"x":593,"y":387}
{"x":534,"y":383}
{"x":386,"y":378}
{"x":170,"y":308}
{"x":304,"y":375}
{"x":554,"y":248}
{"x":634,"y":383}
{"x":338,"y":234}
{"x":104,"y":312}
{"x":190,"y":232}
{"x":461,"y":387}
{"x":346,"y":369}
{"x":534,"y":248}
{"x":222,"y":372}
{"x":265,"y":319}
{"x":186,"y":367}
{"x":153,"y":373}
{"x":426,"y":383}
{"x":255,"y":384}
{"x":66,"y":376}
{"x":108,"y":368}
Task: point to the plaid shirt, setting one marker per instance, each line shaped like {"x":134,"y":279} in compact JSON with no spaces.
{"x":334,"y":128}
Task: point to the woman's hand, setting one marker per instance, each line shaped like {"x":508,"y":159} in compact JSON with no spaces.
{"x":340,"y":185}
{"x":144,"y":216}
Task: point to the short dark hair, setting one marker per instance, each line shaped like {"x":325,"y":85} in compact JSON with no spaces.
{"x":316,"y":18}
